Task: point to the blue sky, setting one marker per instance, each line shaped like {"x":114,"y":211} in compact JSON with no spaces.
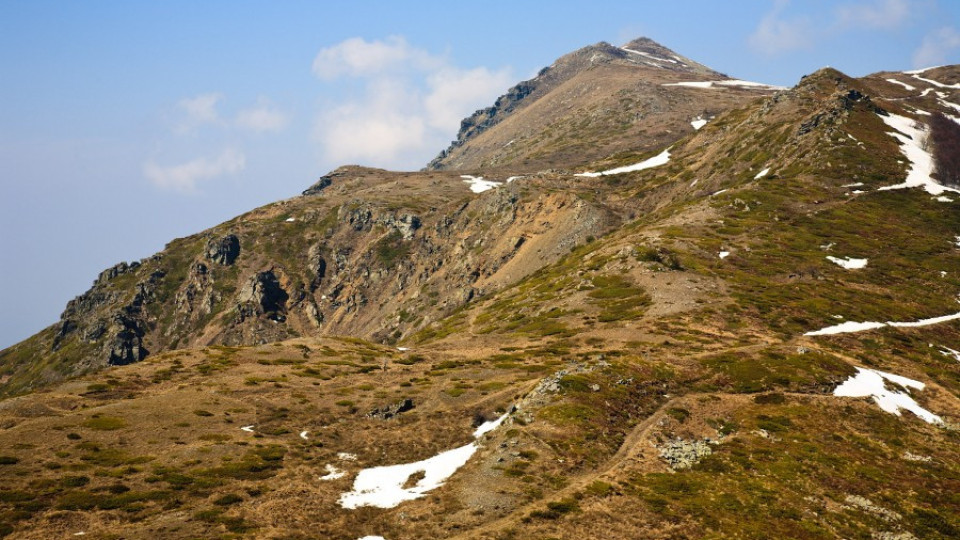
{"x":125,"y":124}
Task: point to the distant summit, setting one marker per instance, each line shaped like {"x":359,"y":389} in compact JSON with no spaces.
{"x":581,"y":106}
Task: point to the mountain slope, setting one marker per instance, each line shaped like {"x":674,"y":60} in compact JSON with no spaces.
{"x":595,"y":102}
{"x":754,"y":336}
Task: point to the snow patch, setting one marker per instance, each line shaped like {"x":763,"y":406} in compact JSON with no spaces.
{"x":848,"y":262}
{"x":919,"y":71}
{"x":303,"y":435}
{"x":851,"y":326}
{"x":478,"y":184}
{"x":650,"y":56}
{"x":855,"y":184}
{"x":248,"y":429}
{"x":698,"y":123}
{"x":333,"y":473}
{"x":660,"y":159}
{"x":512,"y":178}
{"x":346,"y":456}
{"x":870,"y":383}
{"x":290,"y":220}
{"x":403,"y":349}
{"x":903,"y":84}
{"x":926,"y":322}
{"x":947,"y":351}
{"x":936,"y":83}
{"x":941,"y":198}
{"x":732,"y":82}
{"x":383,"y":487}
{"x":846,"y":328}
{"x":724,"y":254}
{"x":912,"y":141}
{"x":761,"y":174}
{"x":372,"y":538}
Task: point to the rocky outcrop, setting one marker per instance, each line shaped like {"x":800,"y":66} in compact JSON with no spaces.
{"x":681,"y":454}
{"x":321,"y":184}
{"x":486,"y":118}
{"x":389,"y":411}
{"x":116,"y":270}
{"x":262,"y":295}
{"x":197,"y":296}
{"x":224,"y":250}
{"x":126,"y":347}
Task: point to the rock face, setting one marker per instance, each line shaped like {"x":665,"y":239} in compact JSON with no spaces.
{"x":262,"y":295}
{"x":681,"y":454}
{"x":224,"y":250}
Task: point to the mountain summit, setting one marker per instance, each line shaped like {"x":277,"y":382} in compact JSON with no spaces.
{"x":636,"y":299}
{"x":594,"y":102}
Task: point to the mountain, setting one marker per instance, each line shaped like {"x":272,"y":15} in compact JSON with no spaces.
{"x":746,"y":328}
{"x":593,"y":103}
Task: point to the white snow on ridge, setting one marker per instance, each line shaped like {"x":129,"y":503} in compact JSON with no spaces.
{"x":372,"y":538}
{"x":650,"y":56}
{"x":919,"y":71}
{"x":851,"y":326}
{"x":698,"y":123}
{"x":660,"y":159}
{"x":901,"y":83}
{"x":936,"y":83}
{"x":731,"y":82}
{"x":761,"y":174}
{"x":848,"y":262}
{"x":870,"y":383}
{"x":478,"y":184}
{"x":383,"y":487}
{"x":912,"y":141}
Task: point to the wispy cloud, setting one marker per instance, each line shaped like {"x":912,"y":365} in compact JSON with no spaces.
{"x":357,"y":57}
{"x":184,"y":177}
{"x":878,"y":14}
{"x":777,"y":33}
{"x":936,"y":46}
{"x":411,"y":105}
{"x":261,"y":118}
{"x":198,"y":110}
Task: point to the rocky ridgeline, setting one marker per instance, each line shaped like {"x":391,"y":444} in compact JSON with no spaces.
{"x":343,"y":265}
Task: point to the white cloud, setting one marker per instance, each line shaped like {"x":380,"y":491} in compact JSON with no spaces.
{"x":776,"y":34}
{"x":263,"y":117}
{"x":883,"y":14}
{"x":198,"y":110}
{"x":455,"y":93}
{"x":357,"y":57}
{"x":936,"y":46}
{"x":184,"y":177}
{"x":411,"y":107}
